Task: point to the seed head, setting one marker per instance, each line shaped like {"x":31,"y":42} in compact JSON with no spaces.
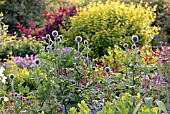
{"x":47,"y":36}
{"x":11,"y":76}
{"x":48,"y":48}
{"x":55,"y":33}
{"x":85,"y":42}
{"x":78,"y":39}
{"x":58,"y":39}
{"x":125,"y":45}
{"x":37,"y":61}
{"x":139,"y":52}
{"x":94,"y":68}
{"x":133,"y":46}
{"x":107,"y":69}
{"x":61,"y":37}
{"x":2,"y":99}
{"x":135,"y":38}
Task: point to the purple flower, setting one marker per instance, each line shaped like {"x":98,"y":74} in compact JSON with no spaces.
{"x":12,"y":111}
{"x":146,"y":79}
{"x":161,"y":42}
{"x":25,"y":62}
{"x":155,"y":76}
{"x":156,"y":38}
{"x":93,"y":112}
{"x":63,"y":108}
{"x":67,"y":50}
{"x":164,"y":59}
{"x":22,"y":97}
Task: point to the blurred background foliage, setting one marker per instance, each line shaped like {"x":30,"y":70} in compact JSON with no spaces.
{"x":24,"y":10}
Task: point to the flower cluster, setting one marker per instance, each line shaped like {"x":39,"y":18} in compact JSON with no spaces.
{"x":2,"y":77}
{"x":154,"y":81}
{"x":26,"y":62}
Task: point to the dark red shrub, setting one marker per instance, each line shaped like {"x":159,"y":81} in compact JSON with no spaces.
{"x":54,"y":20}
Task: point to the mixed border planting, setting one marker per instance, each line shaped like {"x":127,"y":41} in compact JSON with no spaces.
{"x":95,"y":59}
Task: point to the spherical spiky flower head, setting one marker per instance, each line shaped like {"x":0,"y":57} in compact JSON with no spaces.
{"x":58,"y":39}
{"x":55,"y":33}
{"x":47,"y":36}
{"x":11,"y":76}
{"x":94,"y":68}
{"x":135,"y":38}
{"x":85,"y":42}
{"x":125,"y":45}
{"x":107,"y":69}
{"x":139,"y":52}
{"x":2,"y":99}
{"x":37,"y":61}
{"x":61,"y":37}
{"x":48,"y":48}
{"x":133,"y":46}
{"x":78,"y":39}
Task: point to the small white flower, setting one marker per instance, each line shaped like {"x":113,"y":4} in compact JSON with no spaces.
{"x":6,"y":99}
{"x":2,"y":77}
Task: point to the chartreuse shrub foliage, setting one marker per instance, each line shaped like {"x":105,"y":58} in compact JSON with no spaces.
{"x":113,"y":22}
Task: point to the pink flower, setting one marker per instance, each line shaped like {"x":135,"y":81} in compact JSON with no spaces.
{"x":22,"y":97}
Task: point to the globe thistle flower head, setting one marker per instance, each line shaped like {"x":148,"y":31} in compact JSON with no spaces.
{"x":107,"y":69}
{"x":48,"y":48}
{"x":135,"y":38}
{"x":58,"y":39}
{"x":133,"y":46}
{"x":94,"y":68}
{"x":47,"y":36}
{"x":125,"y":45}
{"x":60,"y":36}
{"x":11,"y":76}
{"x":139,"y":52}
{"x":37,"y":61}
{"x":2,"y":99}
{"x":41,"y":50}
{"x":78,"y":39}
{"x":85,"y":42}
{"x":55,"y":33}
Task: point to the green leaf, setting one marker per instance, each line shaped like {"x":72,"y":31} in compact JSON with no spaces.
{"x":137,"y":108}
{"x":161,"y":106}
{"x":149,"y":101}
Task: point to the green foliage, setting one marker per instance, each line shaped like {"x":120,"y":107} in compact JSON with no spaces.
{"x":3,"y":28}
{"x":13,"y":46}
{"x":112,"y":23}
{"x":22,"y":11}
{"x":162,"y":18}
{"x":126,"y":105}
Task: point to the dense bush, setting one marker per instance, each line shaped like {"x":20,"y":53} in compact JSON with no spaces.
{"x":22,"y":11}
{"x":12,"y":46}
{"x":54,"y":20}
{"x":162,"y":18}
{"x":112,"y":23}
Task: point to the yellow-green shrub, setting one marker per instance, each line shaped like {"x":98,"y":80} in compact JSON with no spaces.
{"x":112,"y":23}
